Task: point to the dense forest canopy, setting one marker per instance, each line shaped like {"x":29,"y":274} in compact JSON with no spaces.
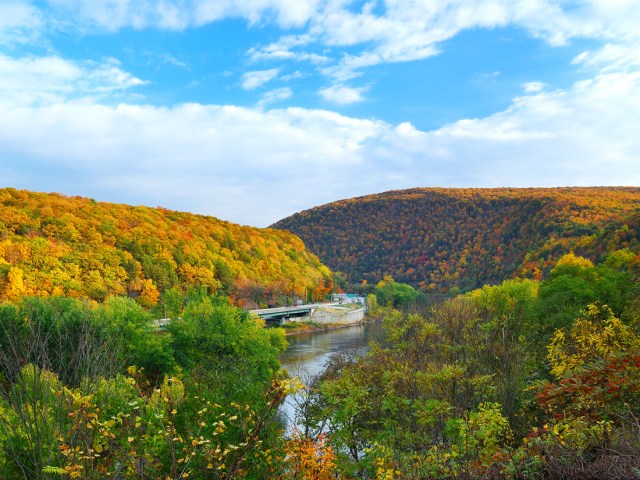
{"x":53,"y":245}
{"x":443,"y":238}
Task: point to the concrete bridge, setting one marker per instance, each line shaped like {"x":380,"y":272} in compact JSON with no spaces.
{"x":282,"y":314}
{"x":279,"y":314}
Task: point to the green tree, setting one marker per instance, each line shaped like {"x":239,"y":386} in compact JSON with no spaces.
{"x":507,"y":322}
{"x":222,"y":343}
{"x":575,"y":283}
{"x":396,"y":295}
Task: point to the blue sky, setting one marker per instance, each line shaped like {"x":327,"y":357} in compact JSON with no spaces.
{"x":251,"y":111}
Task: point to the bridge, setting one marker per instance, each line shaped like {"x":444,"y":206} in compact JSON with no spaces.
{"x":282,"y":314}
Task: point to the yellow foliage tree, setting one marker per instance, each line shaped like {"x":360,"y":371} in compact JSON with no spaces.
{"x":149,"y":294}
{"x":15,"y":287}
{"x":596,"y":334}
{"x":573,"y":260}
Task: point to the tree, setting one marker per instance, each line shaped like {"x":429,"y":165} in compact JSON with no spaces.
{"x":508,"y":324}
{"x":396,"y":295}
{"x":592,"y":402}
{"x":575,"y":283}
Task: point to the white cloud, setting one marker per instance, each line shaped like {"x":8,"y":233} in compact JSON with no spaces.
{"x":285,"y":49}
{"x":611,"y":57}
{"x":186,"y":157}
{"x":342,"y":95}
{"x":257,"y":78}
{"x":181,"y":14}
{"x":50,"y":79}
{"x":292,"y":76}
{"x":160,"y":59}
{"x":345,"y":37}
{"x":574,"y":137}
{"x":414,"y":30}
{"x":286,"y":13}
{"x":20,"y":22}
{"x":406,"y":31}
{"x":276,"y":95}
{"x":256,"y":166}
{"x":533,"y":87}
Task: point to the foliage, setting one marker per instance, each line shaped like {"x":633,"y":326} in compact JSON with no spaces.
{"x":70,"y":408}
{"x":309,"y":459}
{"x":150,"y":434}
{"x":507,"y":325}
{"x":384,"y":409}
{"x":52,"y":245}
{"x":396,"y":295}
{"x":575,"y":283}
{"x":528,"y":378}
{"x":439,"y":238}
{"x":65,"y":336}
{"x":595,"y":335}
{"x":222,"y":344}
{"x":591,"y":404}
{"x":477,"y":391}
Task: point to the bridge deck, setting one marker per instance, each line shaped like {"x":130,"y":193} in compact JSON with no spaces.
{"x":284,"y":312}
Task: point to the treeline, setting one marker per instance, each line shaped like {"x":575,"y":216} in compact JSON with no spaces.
{"x":95,"y":392}
{"x":52,"y":245}
{"x":522,"y":380}
{"x":440,"y":239}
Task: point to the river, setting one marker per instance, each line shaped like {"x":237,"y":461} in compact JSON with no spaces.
{"x":308,"y":353}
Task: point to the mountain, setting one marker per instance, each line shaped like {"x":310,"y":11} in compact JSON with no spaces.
{"x":439,"y":238}
{"x":51,"y":244}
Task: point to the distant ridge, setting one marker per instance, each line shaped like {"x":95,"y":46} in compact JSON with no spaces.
{"x":51,"y":244}
{"x":440,"y":238}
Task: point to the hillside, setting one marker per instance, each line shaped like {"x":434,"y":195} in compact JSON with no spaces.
{"x":441,"y":238}
{"x":51,"y":244}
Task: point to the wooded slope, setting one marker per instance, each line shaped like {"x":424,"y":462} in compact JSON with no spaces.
{"x":441,"y":238}
{"x":56,"y":245}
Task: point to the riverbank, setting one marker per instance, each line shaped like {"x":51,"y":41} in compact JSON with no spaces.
{"x":297,"y":328}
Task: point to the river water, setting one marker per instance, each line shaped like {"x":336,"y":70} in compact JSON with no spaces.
{"x":308,"y":353}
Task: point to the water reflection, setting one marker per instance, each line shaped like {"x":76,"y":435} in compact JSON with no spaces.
{"x":308,"y":354}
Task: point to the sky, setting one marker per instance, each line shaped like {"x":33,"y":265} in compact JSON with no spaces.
{"x":253,"y":110}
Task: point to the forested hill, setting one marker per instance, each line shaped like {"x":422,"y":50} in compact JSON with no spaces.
{"x":441,"y":238}
{"x":55,"y":245}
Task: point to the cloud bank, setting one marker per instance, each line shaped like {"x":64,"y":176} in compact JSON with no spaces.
{"x":254,"y":166}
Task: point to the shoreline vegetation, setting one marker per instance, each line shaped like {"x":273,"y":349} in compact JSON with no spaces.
{"x":297,"y":328}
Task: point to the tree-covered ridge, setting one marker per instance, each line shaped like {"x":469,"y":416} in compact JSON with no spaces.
{"x":54,"y":245}
{"x":440,"y":238}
